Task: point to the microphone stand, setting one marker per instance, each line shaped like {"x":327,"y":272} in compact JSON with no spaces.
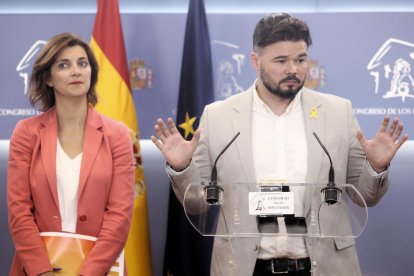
{"x":331,"y":192}
{"x":213,"y":191}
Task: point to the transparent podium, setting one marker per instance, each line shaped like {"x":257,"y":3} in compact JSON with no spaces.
{"x":256,"y":210}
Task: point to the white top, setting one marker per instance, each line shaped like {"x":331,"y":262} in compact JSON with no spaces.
{"x":280,"y":155}
{"x":67,"y":174}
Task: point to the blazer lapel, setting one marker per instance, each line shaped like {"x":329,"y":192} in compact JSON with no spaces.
{"x":241,"y":120}
{"x":91,"y":144}
{"x":48,"y":141}
{"x":315,"y":121}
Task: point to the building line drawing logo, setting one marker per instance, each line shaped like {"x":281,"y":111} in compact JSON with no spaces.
{"x":391,"y":69}
{"x":228,"y":70}
{"x":25,"y":64}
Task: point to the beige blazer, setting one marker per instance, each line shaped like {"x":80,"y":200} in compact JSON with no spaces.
{"x":334,"y":124}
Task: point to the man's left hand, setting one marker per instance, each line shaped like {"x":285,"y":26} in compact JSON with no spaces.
{"x":382,"y":147}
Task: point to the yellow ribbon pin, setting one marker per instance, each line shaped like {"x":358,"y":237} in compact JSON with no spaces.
{"x":314,"y":113}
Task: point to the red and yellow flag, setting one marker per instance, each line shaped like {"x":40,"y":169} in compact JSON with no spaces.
{"x":115,"y":100}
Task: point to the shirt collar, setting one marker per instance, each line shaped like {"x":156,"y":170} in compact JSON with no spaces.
{"x":258,"y":103}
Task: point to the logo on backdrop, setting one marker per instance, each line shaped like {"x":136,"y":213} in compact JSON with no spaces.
{"x":228,"y":70}
{"x":140,"y":74}
{"x":391,"y":69}
{"x":316,"y":75}
{"x":25,"y":65}
{"x":24,"y":69}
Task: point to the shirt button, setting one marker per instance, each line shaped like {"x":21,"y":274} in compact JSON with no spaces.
{"x":254,"y":247}
{"x":83,"y":218}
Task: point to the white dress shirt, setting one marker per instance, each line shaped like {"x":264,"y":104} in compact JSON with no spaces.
{"x":67,"y":174}
{"x":280,"y":155}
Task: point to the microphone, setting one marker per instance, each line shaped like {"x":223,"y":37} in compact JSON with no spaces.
{"x":213,"y":190}
{"x":332,"y":193}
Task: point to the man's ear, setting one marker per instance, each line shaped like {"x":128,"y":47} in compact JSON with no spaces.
{"x":254,"y":56}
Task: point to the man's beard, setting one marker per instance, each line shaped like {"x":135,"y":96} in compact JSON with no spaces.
{"x":289,"y":93}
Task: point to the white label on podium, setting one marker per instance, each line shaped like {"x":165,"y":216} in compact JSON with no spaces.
{"x":271,"y":203}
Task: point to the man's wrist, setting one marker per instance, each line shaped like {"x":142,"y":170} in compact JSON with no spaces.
{"x":180,"y":168}
{"x":377,"y":170}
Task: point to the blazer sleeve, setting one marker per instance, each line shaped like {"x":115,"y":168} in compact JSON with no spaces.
{"x":372,"y":187}
{"x":118,"y":212}
{"x":29,"y":246}
{"x":200,"y":166}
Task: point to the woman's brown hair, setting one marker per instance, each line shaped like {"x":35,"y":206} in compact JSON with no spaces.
{"x":39,"y":92}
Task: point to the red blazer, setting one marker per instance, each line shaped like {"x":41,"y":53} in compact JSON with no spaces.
{"x":105,"y":197}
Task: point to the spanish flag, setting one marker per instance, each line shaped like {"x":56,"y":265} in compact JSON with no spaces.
{"x":115,"y":100}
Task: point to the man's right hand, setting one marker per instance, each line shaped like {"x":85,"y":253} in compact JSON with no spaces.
{"x":176,"y":150}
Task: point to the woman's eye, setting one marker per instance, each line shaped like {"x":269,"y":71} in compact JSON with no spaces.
{"x":62,"y":65}
{"x":83,"y":63}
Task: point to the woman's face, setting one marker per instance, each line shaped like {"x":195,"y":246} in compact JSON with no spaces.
{"x":70,"y":75}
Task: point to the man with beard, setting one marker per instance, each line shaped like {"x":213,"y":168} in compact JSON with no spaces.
{"x":276,"y":118}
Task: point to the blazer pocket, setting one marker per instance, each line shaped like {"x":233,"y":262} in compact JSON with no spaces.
{"x":343,"y":242}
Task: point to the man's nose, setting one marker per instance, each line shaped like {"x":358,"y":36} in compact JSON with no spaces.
{"x":291,"y":67}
